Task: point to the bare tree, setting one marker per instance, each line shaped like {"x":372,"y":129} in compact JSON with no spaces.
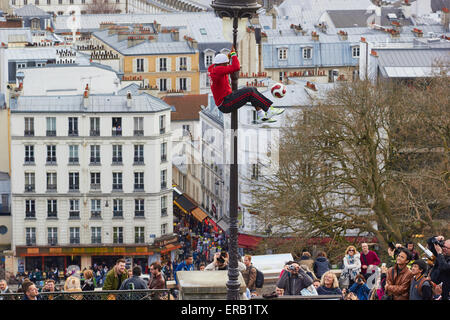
{"x":369,"y":158}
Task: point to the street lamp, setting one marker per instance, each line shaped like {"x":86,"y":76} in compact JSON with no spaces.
{"x":235,"y":10}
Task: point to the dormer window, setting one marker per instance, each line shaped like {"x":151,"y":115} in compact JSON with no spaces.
{"x":209,"y":56}
{"x":307,"y":53}
{"x":355,"y":52}
{"x":282,"y":53}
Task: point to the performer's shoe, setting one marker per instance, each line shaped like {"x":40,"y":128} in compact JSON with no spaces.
{"x":273,"y":112}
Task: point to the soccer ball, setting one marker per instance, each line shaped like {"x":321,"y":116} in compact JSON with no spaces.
{"x":278,"y":90}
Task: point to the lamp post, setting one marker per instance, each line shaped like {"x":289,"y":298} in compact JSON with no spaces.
{"x":235,"y":10}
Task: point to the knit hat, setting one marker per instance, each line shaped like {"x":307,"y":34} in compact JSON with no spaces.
{"x":220,"y":58}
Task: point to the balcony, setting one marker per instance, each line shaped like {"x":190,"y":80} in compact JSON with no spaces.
{"x":74,"y":188}
{"x":140,"y":239}
{"x":117,"y":187}
{"x":117,"y":160}
{"x":52,"y":215}
{"x":51,"y":187}
{"x":73,"y":133}
{"x":138,"y":133}
{"x":74,"y":215}
{"x":139,"y":213}
{"x":31,"y":241}
{"x":29,"y":133}
{"x":116,"y":132}
{"x":95,"y":160}
{"x":51,"y":133}
{"x":96,"y":239}
{"x":29,"y":161}
{"x":118,"y":240}
{"x":118,"y":214}
{"x":138,"y":187}
{"x":94,"y":133}
{"x":30,"y":215}
{"x":51,"y":160}
{"x":29,"y":188}
{"x":96,"y":214}
{"x":95,"y":186}
{"x":138,"y":160}
{"x":52,"y":241}
{"x":73,"y":160}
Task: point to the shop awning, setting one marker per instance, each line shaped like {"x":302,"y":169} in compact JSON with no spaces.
{"x":199,"y":214}
{"x":248,"y":241}
{"x":170,"y":247}
{"x":184,"y":204}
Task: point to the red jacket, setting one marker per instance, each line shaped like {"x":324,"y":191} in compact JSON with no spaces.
{"x":219,"y":81}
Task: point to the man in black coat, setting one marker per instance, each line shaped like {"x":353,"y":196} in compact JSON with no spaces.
{"x":294,"y":280}
{"x":441,"y":269}
{"x":134,"y":283}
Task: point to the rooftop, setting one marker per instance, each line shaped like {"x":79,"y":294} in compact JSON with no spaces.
{"x":31,"y":11}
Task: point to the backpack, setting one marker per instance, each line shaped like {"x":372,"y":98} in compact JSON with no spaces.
{"x":259,"y":278}
{"x":422,"y":281}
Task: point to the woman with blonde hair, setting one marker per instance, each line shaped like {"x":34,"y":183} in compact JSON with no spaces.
{"x":329,"y":284}
{"x":72,"y":284}
{"x":352,"y":267}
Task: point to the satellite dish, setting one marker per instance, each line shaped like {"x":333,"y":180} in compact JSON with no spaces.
{"x":74,"y":270}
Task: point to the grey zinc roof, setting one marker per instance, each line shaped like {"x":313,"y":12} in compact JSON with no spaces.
{"x":413,"y":57}
{"x":31,"y":53}
{"x":145,"y":47}
{"x":9,"y":33}
{"x":349,"y":18}
{"x":143,"y":103}
{"x":31,"y":11}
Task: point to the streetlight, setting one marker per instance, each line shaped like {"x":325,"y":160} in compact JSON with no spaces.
{"x":234,"y":10}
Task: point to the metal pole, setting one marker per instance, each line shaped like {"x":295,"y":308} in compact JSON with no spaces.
{"x":233,"y":271}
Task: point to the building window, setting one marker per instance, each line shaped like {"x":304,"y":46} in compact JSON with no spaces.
{"x":29,"y":181}
{"x":52,"y":236}
{"x":25,"y":2}
{"x":186,"y":129}
{"x":355,"y":52}
{"x":95,"y":154}
{"x":182,"y":84}
{"x":138,"y":181}
{"x":163,"y":179}
{"x":255,"y":171}
{"x":282,"y":53}
{"x":73,"y":126}
{"x":138,"y":154}
{"x":96,"y":234}
{"x":51,"y":127}
{"x":182,"y":62}
{"x":139,"y":208}
{"x":139,"y":65}
{"x":164,"y":206}
{"x":51,"y":154}
{"x":117,"y":181}
{"x":29,"y":154}
{"x":96,"y":208}
{"x":52,"y":209}
{"x":35,"y":23}
{"x":164,"y":152}
{"x":162,"y":124}
{"x":51,"y":181}
{"x":138,"y":126}
{"x":29,"y":127}
{"x":117,"y":208}
{"x":74,"y":209}
{"x":162,"y":84}
{"x":49,"y":2}
{"x":74,"y":234}
{"x":95,"y":127}
{"x":209,"y":59}
{"x":117,"y":234}
{"x":116,"y":126}
{"x":163,"y":64}
{"x":307,"y":53}
{"x":95,"y":180}
{"x":59,"y":1}
{"x":74,"y":181}
{"x":30,"y":234}
{"x":117,"y":154}
{"x":30,"y":208}
{"x":73,"y":154}
{"x":164,"y":229}
{"x":139,"y":235}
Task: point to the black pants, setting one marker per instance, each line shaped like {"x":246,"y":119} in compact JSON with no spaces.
{"x":240,"y":97}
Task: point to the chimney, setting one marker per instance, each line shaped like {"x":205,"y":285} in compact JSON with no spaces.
{"x":175,"y":35}
{"x":135,"y":40}
{"x":129,"y":99}
{"x":274,"y":21}
{"x":343,"y":35}
{"x":314,"y":36}
{"x":86,"y":96}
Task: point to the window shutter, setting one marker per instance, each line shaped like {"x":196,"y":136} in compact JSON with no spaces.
{"x":188,"y":62}
{"x":177,"y":62}
{"x":169,"y":84}
{"x":134,"y":65}
{"x":188,"y":84}
{"x":158,"y":82}
{"x":145,"y":64}
{"x":169,"y":62}
{"x":157,"y":67}
{"x":177,"y":82}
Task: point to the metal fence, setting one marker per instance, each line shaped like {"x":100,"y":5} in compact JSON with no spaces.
{"x":146,"y":294}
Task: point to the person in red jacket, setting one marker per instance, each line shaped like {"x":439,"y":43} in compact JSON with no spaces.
{"x":228,"y":100}
{"x":369,"y":260}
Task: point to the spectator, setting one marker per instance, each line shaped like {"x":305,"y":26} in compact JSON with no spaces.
{"x":220,"y":262}
{"x":360,"y":288}
{"x":201,"y":267}
{"x":89,"y":281}
{"x":307,"y":271}
{"x":352,"y":266}
{"x":30,"y":291}
{"x":134,"y":282}
{"x":414,"y":254}
{"x":186,"y":265}
{"x":316,"y":283}
{"x":329,"y":284}
{"x":115,"y":276}
{"x":369,"y":260}
{"x":398,"y":277}
{"x":421,"y":288}
{"x":441,"y":268}
{"x":380,"y":290}
{"x":4,"y":289}
{"x":167,"y":270}
{"x":285,"y":268}
{"x":307,"y":260}
{"x":321,"y":264}
{"x":156,"y":280}
{"x":294,"y":280}
{"x":249,"y":274}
